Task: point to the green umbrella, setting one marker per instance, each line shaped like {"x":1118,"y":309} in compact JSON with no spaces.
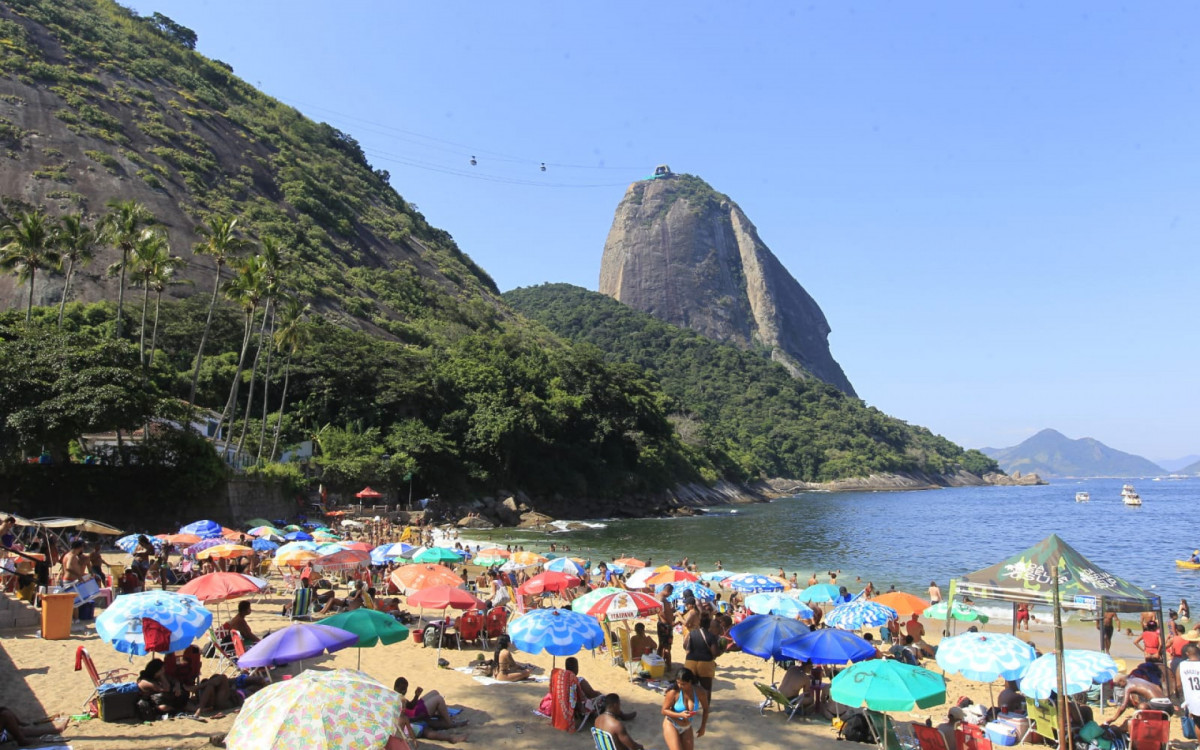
{"x":370,"y":626}
{"x":293,"y":527}
{"x":257,"y":522}
{"x":887,"y":685}
{"x":436,"y":555}
{"x":961,"y":611}
{"x":585,"y":602}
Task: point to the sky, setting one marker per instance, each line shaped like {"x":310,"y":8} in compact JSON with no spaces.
{"x":994,"y":204}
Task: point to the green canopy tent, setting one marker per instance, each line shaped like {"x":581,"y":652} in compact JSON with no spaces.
{"x":1079,"y":584}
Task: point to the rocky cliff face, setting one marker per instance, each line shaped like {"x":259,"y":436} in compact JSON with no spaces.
{"x":686,"y":254}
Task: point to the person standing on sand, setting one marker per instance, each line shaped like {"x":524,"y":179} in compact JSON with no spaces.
{"x":1187,"y":680}
{"x":1110,"y":623}
{"x":1023,"y":616}
{"x":684,"y":699}
{"x":935,"y":594}
{"x":812,"y":579}
{"x":74,"y":566}
{"x":666,"y":624}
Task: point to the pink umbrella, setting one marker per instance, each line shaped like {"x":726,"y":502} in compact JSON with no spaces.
{"x":441,"y":597}
{"x":219,"y":587}
{"x":551,"y":580}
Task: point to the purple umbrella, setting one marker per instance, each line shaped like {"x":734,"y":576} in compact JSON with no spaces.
{"x":296,"y":642}
{"x":203,"y":545}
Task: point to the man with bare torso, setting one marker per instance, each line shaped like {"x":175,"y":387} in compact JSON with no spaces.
{"x":74,"y":563}
{"x":666,"y":624}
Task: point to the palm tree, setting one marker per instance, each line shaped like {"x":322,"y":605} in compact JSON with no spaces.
{"x":291,"y":336}
{"x":246,"y":288}
{"x":122,"y":226}
{"x":77,"y":243}
{"x":222,"y":244}
{"x":28,"y":246}
{"x":159,"y":274}
{"x":153,"y":266}
{"x":273,"y":263}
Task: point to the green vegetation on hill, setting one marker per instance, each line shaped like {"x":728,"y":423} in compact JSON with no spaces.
{"x":745,"y":413}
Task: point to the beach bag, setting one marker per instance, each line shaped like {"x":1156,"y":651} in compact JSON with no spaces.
{"x":1189,"y":726}
{"x":856,"y":728}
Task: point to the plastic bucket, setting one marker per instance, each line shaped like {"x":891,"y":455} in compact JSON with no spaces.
{"x":418,"y":636}
{"x":56,"y":616}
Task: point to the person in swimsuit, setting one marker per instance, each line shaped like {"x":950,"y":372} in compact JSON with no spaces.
{"x":680,"y":705}
{"x":666,"y":624}
{"x":935,"y":594}
{"x":12,"y":729}
{"x":507,"y":669}
{"x":1149,"y":641}
{"x":703,"y":646}
{"x":1023,"y":616}
{"x":429,"y":708}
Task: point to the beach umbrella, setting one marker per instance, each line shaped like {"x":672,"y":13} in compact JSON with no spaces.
{"x":367,"y":493}
{"x":629,"y":562}
{"x":295,"y":558}
{"x":224,"y":551}
{"x":583,"y":603}
{"x":859,"y":614}
{"x":325,"y":536}
{"x":293,"y":527}
{"x":672,"y":576}
{"x":219,"y":587}
{"x":204,"y":544}
{"x":1082,"y":668}
{"x":568,"y":566}
{"x":296,"y":642}
{"x":178,"y":540}
{"x":548,"y":581}
{"x":763,"y":636}
{"x":702,"y":593}
{"x":203,"y":529}
{"x":624,"y":605}
{"x":777,"y":604}
{"x":298,"y":536}
{"x":827,"y":646}
{"x":753,"y":582}
{"x":121,"y":623}
{"x":905,"y":604}
{"x":526,"y":557}
{"x":401,"y":549}
{"x":231,"y":534}
{"x":418,"y":576}
{"x":343,"y":559}
{"x":336,"y":710}
{"x":717,"y":575}
{"x":253,"y":522}
{"x":378,"y":556}
{"x":490,"y":557}
{"x":819,"y":592}
{"x":436,"y":555}
{"x":360,"y":546}
{"x":296,"y":546}
{"x":442,"y":597}
{"x":558,"y":632}
{"x":961,"y":611}
{"x":888,"y":685}
{"x":264,"y":545}
{"x":639,"y":578}
{"x":985,"y":657}
{"x":328,"y":548}
{"x":129,"y":543}
{"x":511,"y":567}
{"x":371,"y":626}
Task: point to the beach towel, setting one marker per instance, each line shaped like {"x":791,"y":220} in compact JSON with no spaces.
{"x":490,"y":681}
{"x":564,"y":697}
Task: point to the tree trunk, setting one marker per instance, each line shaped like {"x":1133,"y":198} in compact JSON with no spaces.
{"x":29,"y":307}
{"x":154,"y":334}
{"x":142,"y":332}
{"x":262,"y":429}
{"x":231,"y":404}
{"x":262,"y":331}
{"x":66,"y":290}
{"x":287,"y":373}
{"x":204,"y":338}
{"x":121,"y":293}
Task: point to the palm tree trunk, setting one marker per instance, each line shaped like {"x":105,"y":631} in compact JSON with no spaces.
{"x":230,"y":405}
{"x":287,"y":373}
{"x":142,"y":332}
{"x":262,"y":428}
{"x":154,"y":334}
{"x":121,"y":292}
{"x":66,"y":290}
{"x":29,"y":307}
{"x":262,"y":332}
{"x":204,"y":339}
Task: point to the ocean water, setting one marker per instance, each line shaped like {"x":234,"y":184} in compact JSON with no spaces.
{"x":910,"y":538}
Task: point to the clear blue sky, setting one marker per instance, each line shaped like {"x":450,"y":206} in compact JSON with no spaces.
{"x":995,"y":204}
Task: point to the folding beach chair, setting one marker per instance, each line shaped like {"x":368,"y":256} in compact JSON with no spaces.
{"x":567,"y":704}
{"x":772,"y":697}
{"x":1149,"y":730}
{"x":1043,"y":720}
{"x":302,"y":604}
{"x":239,"y":650}
{"x":221,"y":648}
{"x":604,"y":740}
{"x":494,"y":624}
{"x":929,"y":738}
{"x":83,"y":661}
{"x":632,"y":667}
{"x":469,"y":627}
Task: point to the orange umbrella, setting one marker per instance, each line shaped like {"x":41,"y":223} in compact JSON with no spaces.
{"x":528,"y":558}
{"x":360,"y":546}
{"x":179,"y":540}
{"x":344,"y":560}
{"x":228,"y":533}
{"x":630,"y":562}
{"x":904,"y":603}
{"x":420,"y":576}
{"x":225,"y":550}
{"x":670,"y":575}
{"x":296,"y":558}
{"x":786,"y":583}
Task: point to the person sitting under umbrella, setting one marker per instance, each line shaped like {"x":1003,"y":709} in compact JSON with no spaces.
{"x":238,"y":623}
{"x":430,"y":708}
{"x":165,"y":694}
{"x":797,"y":680}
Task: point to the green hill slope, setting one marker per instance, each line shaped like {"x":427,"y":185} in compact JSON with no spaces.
{"x":745,"y":412}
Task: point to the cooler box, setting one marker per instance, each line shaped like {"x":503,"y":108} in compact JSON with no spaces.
{"x":1002,"y":733}
{"x":654,"y":664}
{"x":113,"y":706}
{"x":57,"y":610}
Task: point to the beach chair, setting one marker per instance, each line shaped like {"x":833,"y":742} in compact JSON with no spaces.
{"x":494,"y":624}
{"x":970,"y":737}
{"x":469,"y":627}
{"x":772,"y":697}
{"x":929,"y":738}
{"x":567,"y":705}
{"x":1149,"y":730}
{"x":632,"y":667}
{"x":221,"y":648}
{"x":302,"y":604}
{"x":83,"y":661}
{"x":1043,"y":720}
{"x":239,"y":650}
{"x":604,"y":740}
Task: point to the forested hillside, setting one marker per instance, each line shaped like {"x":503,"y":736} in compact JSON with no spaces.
{"x":746,"y":413}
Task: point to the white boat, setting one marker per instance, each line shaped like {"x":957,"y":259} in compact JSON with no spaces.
{"x":1082,"y":497}
{"x":1129,"y":496}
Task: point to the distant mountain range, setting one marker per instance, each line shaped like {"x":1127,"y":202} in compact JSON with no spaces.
{"x":1189,"y":464}
{"x":1050,"y":453}
{"x":1193,"y":468}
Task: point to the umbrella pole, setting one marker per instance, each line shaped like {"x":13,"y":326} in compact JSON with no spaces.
{"x":1064,"y":724}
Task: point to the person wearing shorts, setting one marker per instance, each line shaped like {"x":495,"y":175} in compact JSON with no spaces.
{"x":666,"y":624}
{"x":703,"y":646}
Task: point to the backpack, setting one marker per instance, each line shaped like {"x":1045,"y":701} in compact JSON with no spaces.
{"x":857,"y":728}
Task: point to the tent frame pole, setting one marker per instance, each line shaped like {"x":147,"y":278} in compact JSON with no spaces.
{"x":1064,"y":724}
{"x":1168,"y":681}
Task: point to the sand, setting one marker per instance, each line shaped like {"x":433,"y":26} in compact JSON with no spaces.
{"x":500,"y":716}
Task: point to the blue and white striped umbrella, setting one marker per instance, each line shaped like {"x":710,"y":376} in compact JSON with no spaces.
{"x":777,"y":604}
{"x":859,"y":614}
{"x":752,"y":582}
{"x":1083,"y":668}
{"x":985,"y":657}
{"x":702,"y":593}
{"x":558,"y":632}
{"x":264,"y":545}
{"x":566,"y":565}
{"x":717,"y":575}
{"x":182,"y":614}
{"x":203,"y":529}
{"x":128,"y":544}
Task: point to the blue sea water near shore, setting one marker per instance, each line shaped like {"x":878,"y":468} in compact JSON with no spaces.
{"x":911,"y":538}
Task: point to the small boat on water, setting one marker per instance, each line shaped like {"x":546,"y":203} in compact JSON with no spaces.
{"x":1082,"y":497}
{"x":1187,"y":564}
{"x":1129,"y":496}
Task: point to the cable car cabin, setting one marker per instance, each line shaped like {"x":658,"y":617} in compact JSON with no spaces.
{"x":662,"y":170}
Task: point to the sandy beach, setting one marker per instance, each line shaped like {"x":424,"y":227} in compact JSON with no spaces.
{"x":499,"y":715}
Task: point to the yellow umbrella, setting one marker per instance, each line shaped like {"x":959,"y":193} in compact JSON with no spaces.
{"x":528,"y":558}
{"x":296,"y":557}
{"x":225,"y":550}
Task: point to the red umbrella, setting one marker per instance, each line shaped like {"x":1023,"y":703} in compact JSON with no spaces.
{"x":218,"y":587}
{"x":551,"y":580}
{"x":368,"y":494}
{"x":360,"y":546}
{"x":441,"y":597}
{"x":347,"y":559}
